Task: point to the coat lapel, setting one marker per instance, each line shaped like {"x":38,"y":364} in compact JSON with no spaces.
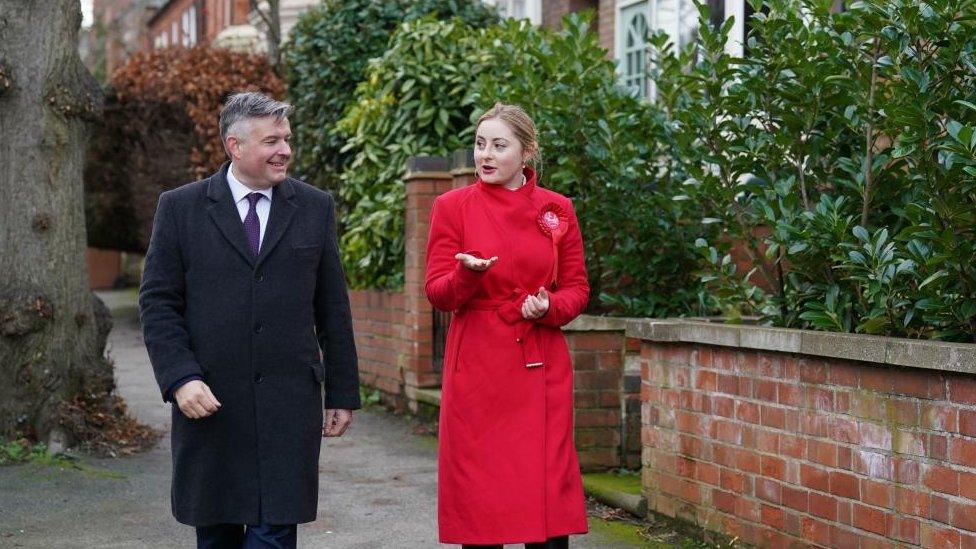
{"x":224,"y":214}
{"x":283,"y":208}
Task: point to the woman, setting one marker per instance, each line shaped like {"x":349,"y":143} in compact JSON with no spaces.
{"x":506,"y":257}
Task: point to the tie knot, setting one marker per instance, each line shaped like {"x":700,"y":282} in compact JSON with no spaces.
{"x":253,"y":198}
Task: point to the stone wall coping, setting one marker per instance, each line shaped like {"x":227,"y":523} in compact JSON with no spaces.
{"x":914,"y":353}
{"x":428,"y":167}
{"x":593,"y":323}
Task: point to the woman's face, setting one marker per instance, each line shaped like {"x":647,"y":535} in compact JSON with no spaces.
{"x":498,"y":154}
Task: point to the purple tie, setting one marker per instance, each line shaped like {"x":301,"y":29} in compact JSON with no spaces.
{"x":252,"y":225}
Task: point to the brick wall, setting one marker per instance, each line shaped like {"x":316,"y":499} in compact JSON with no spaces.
{"x":781,"y":448}
{"x":378,"y":319}
{"x":606,"y":393}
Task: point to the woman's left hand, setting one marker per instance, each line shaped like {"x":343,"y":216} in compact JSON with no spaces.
{"x":536,"y":306}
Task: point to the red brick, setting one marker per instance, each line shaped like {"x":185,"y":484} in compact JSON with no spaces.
{"x":940,"y":509}
{"x":844,"y":429}
{"x":905,"y":412}
{"x":911,"y":501}
{"x":871,"y":520}
{"x":815,"y":530}
{"x":823,"y":506}
{"x":937,"y":447}
{"x":843,"y":373}
{"x":792,"y":446}
{"x":795,"y":498}
{"x":766,"y":390}
{"x":689,"y":446}
{"x":905,"y":529}
{"x":745,"y":387}
{"x":962,"y":389}
{"x":727,"y":383}
{"x":728,"y":431}
{"x":963,"y":451}
{"x":748,"y":509}
{"x":842,"y":402}
{"x":767,"y":441}
{"x":773,"y":417}
{"x":708,"y":473}
{"x":773,"y":467}
{"x":746,"y":460}
{"x":789,"y":394}
{"x":925,"y":384}
{"x":876,"y":378}
{"x":967,"y":423}
{"x":723,"y":455}
{"x":876,"y":493}
{"x":747,"y":411}
{"x":824,"y":453}
{"x":840,"y":537}
{"x":770,"y":365}
{"x":874,"y":436}
{"x":819,"y":398}
{"x":939,"y":417}
{"x":724,"y":501}
{"x":733,"y":480}
{"x":844,"y":485}
{"x":940,"y":479}
{"x":907,"y":471}
{"x":768,"y":490}
{"x":813,"y":371}
{"x":773,"y":517}
{"x":814,"y":423}
{"x":724,"y":358}
{"x":936,"y":537}
{"x":816,"y":479}
{"x":967,"y":485}
{"x":705,"y":380}
{"x":964,"y":516}
{"x":908,"y":442}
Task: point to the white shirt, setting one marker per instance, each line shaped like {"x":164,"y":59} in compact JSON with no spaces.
{"x":240,"y":192}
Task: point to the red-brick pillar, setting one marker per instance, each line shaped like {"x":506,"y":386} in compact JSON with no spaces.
{"x":426,"y":177}
{"x":462,"y":168}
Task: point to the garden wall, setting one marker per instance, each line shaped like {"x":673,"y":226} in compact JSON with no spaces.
{"x":783,"y":437}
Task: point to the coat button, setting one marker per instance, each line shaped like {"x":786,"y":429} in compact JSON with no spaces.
{"x":258,"y":328}
{"x":518,"y":340}
{"x":259,"y":278}
{"x":258,"y":378}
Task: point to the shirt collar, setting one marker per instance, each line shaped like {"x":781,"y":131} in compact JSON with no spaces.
{"x":240,"y":190}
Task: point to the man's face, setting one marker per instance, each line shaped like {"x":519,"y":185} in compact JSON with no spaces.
{"x":261,"y":158}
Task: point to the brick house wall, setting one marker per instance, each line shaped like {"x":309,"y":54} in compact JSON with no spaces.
{"x":791,"y":438}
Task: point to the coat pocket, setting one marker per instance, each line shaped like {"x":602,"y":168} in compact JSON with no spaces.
{"x":318,"y":370}
{"x":306,"y":251}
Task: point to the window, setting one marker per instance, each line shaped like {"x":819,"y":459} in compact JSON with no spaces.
{"x":632,"y":50}
{"x":519,"y":9}
{"x":174,"y":33}
{"x":192,"y":25}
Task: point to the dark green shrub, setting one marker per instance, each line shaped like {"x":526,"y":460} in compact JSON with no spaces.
{"x":325,"y":57}
{"x":597,"y":141}
{"x":840,"y":155}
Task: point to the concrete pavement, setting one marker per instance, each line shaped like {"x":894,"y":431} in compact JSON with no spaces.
{"x":377,"y":488}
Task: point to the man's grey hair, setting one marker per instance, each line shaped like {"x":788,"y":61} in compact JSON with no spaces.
{"x":241,"y":107}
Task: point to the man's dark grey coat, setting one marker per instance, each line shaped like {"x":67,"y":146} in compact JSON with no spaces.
{"x":253,"y":329}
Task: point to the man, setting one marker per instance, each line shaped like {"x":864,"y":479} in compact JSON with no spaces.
{"x":242,"y":296}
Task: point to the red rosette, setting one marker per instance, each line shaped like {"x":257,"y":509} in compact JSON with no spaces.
{"x":553,"y":222}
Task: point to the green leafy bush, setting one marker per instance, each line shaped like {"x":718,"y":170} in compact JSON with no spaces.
{"x":325,"y":59}
{"x":839,"y":157}
{"x":598,"y":143}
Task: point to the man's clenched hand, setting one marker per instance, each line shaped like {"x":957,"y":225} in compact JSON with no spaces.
{"x":195,"y":400}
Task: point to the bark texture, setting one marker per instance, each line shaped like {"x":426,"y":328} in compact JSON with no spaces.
{"x":52,"y":328}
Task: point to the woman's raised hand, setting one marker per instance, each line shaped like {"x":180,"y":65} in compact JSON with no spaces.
{"x":474,"y":263}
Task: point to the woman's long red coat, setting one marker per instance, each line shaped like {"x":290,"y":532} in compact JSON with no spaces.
{"x":508,"y":471}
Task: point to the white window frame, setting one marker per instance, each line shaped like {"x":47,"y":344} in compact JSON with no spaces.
{"x":174,"y":30}
{"x":533,"y":9}
{"x":192,"y":33}
{"x":621,"y":38}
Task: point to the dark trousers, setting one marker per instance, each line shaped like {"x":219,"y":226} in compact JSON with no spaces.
{"x":562,"y":542}
{"x":237,"y":536}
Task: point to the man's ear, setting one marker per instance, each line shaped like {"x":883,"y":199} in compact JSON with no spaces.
{"x":233,"y":146}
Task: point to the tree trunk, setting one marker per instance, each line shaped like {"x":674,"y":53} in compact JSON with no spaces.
{"x":52,"y":328}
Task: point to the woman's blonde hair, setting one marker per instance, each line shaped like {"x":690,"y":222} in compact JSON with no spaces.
{"x":522,"y":126}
